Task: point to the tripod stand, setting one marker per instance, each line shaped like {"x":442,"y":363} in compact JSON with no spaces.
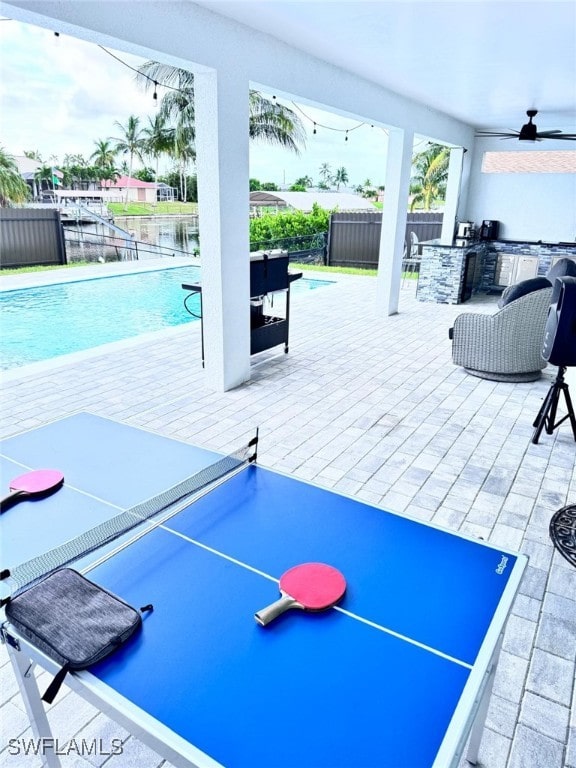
{"x":547,"y":413}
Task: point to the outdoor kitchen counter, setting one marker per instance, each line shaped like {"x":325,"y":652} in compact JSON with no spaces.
{"x":437,"y":244}
{"x":449,"y":274}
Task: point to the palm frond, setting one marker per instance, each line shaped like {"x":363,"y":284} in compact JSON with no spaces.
{"x":269,"y":121}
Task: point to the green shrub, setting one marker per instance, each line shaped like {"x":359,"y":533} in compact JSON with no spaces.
{"x":273,"y":226}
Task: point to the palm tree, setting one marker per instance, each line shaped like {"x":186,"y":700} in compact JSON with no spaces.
{"x":104,"y":156}
{"x":177,"y":112}
{"x":340,"y":177}
{"x":78,"y":160}
{"x":429,"y":176}
{"x":45,"y":174}
{"x":184,"y":152}
{"x":304,"y":181}
{"x":325,"y":176}
{"x":76,"y":174}
{"x":274,"y":123}
{"x":13,"y":188}
{"x":109,"y":173}
{"x":33,"y":154}
{"x":130,"y":143}
{"x":268,"y":120}
{"x":159,"y":140}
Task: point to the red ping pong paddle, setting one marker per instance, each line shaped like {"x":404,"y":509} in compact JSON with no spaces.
{"x":41,"y":482}
{"x":310,"y":587}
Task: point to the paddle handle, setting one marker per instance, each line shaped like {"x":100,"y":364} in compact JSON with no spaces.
{"x":10,"y":498}
{"x":275,"y":609}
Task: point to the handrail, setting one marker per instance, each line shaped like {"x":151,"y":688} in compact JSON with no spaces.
{"x":105,"y":222}
{"x":133,"y":246}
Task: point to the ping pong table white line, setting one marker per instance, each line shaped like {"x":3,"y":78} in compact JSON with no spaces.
{"x":406,"y":639}
{"x":175,"y":507}
{"x":351,"y":615}
{"x":244,"y":565}
{"x":15,"y":461}
{"x":265,"y":575}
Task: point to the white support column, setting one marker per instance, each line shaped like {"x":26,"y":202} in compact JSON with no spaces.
{"x":452,"y":195}
{"x":222,"y":135}
{"x":398,"y":168}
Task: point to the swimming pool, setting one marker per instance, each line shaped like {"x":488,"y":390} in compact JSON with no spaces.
{"x":46,"y":322}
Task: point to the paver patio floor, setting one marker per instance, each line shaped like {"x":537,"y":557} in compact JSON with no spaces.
{"x":370,"y":406}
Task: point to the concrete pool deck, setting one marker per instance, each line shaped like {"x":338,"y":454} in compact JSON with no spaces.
{"x":371,"y":406}
{"x":109,"y":269}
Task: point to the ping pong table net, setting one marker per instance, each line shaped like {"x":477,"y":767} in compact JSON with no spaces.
{"x":143,"y":517}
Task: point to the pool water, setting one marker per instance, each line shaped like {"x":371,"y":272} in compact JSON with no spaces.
{"x":46,"y":322}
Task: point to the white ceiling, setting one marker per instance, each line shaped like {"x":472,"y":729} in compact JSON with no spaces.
{"x":484,"y":63}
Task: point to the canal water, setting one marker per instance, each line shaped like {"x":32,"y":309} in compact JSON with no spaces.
{"x":179,"y":233}
{"x":152,"y":236}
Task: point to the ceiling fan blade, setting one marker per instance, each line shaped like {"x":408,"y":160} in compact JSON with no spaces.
{"x":529,"y":132}
{"x":549,"y":134}
{"x":511,"y":135}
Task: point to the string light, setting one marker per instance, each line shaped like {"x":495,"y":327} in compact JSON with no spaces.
{"x":142,"y":74}
{"x":180,"y":90}
{"x":317,"y":125}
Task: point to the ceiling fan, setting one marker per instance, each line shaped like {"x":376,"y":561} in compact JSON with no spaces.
{"x":528,"y":132}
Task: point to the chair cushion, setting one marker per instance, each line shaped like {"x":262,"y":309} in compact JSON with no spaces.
{"x":562,"y":268}
{"x":514,"y":292}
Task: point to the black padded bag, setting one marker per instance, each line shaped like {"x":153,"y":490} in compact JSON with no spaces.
{"x":73,"y":621}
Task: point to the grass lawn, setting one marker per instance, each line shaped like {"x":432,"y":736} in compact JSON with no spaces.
{"x":348,"y":270}
{"x":149,"y":209}
{"x":312,"y":267}
{"x":294,"y":265}
{"x":43,"y":268}
{"x":334,"y":270}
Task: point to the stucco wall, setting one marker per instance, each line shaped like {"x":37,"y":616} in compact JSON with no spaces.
{"x":530,"y":206}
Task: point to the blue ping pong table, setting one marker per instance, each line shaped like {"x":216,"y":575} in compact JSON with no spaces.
{"x":398,"y":675}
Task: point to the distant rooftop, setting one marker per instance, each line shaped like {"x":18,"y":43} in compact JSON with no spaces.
{"x":535,"y":161}
{"x":304,"y":201}
{"x":122,"y":182}
{"x":27,"y":165}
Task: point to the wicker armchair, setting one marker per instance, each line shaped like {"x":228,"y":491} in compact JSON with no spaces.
{"x":507,"y":345}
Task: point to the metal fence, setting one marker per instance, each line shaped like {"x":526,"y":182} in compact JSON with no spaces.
{"x":354,"y":237}
{"x":305,"y":249}
{"x":95,"y":246}
{"x":31,"y":237}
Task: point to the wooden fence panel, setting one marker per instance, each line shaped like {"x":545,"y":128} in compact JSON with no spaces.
{"x":31,"y":237}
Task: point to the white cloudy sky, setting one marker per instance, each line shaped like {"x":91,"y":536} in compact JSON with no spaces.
{"x":59,"y":94}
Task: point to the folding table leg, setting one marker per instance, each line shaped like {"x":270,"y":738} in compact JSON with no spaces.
{"x":482,"y":712}
{"x":23,"y":667}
